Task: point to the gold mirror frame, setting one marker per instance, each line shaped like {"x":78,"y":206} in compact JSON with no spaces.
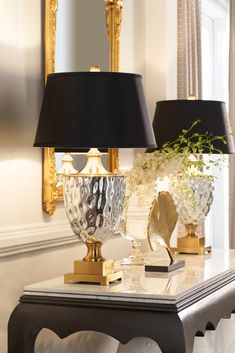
{"x":113,"y":8}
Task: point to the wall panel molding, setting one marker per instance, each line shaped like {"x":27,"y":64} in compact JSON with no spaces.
{"x":26,"y":238}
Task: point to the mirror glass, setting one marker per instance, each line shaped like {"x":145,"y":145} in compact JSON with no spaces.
{"x":81,"y":42}
{"x":79,"y":162}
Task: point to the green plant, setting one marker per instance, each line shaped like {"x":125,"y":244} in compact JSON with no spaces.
{"x":177,"y":156}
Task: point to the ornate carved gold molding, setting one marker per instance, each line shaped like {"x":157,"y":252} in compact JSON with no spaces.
{"x":51,"y":7}
{"x":52,"y":193}
{"x":113,"y":23}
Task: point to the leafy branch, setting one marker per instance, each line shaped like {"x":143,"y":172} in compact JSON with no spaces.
{"x":176,"y":156}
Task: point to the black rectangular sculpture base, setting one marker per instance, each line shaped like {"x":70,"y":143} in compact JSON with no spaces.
{"x":165,"y":268}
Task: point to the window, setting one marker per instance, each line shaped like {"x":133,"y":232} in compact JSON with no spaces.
{"x":215,"y":55}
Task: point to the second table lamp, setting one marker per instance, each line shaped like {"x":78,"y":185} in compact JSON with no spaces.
{"x":171,"y":117}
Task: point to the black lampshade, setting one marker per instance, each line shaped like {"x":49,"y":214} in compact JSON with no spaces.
{"x":172,"y":116}
{"x":94,"y":109}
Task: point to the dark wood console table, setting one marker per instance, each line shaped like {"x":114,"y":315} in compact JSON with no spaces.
{"x":169,"y":308}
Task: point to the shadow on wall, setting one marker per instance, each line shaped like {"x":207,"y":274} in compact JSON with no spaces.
{"x":20,"y":94}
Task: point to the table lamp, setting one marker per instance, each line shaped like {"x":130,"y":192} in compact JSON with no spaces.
{"x":173,"y":116}
{"x":94,"y":110}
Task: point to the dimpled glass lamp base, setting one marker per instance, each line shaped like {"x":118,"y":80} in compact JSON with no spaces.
{"x":193,"y":196}
{"x":93,"y":206}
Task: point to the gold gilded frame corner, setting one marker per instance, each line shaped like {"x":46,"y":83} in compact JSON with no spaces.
{"x":51,"y":193}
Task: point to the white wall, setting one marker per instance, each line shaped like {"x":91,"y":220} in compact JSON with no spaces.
{"x":161,"y":51}
{"x":20,"y":70}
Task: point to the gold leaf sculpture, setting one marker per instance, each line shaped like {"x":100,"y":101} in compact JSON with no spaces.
{"x":162,"y":222}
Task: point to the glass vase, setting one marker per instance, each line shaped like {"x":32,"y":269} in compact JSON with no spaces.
{"x":193,"y":196}
{"x":135,"y":219}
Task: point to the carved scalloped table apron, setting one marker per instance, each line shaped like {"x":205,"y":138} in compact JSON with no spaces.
{"x":169,"y":308}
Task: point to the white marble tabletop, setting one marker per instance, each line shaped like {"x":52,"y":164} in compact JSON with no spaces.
{"x":199,"y":274}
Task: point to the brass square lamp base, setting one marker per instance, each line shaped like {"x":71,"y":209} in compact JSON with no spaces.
{"x":101,"y":272}
{"x":191,"y":245}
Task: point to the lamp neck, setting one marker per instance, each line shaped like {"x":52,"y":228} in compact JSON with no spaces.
{"x":94,"y":164}
{"x":67,"y":165}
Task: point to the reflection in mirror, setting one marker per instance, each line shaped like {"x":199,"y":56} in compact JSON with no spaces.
{"x":81,"y":36}
{"x":78,"y":163}
{"x":81,"y":42}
